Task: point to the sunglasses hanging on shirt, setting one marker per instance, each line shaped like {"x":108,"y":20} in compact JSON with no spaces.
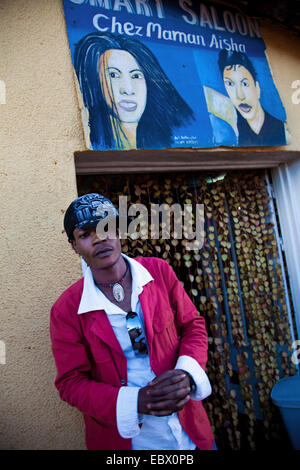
{"x":135,"y":331}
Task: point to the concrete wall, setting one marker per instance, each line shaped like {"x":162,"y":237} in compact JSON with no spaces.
{"x":282,"y":49}
{"x":40,"y":128}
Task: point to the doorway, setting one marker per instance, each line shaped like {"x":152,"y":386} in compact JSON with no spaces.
{"x":237,"y":281}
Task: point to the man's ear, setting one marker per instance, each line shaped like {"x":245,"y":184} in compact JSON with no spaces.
{"x":73,"y":243}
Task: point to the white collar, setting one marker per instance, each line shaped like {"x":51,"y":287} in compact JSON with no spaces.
{"x":93,"y":299}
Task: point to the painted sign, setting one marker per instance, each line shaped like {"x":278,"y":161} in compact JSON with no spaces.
{"x":158,"y":74}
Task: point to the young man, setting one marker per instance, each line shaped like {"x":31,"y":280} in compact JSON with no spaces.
{"x":129,"y":345}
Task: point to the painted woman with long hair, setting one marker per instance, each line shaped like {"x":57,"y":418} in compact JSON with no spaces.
{"x":130,"y":100}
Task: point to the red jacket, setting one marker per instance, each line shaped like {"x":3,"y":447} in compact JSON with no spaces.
{"x":91,"y":366}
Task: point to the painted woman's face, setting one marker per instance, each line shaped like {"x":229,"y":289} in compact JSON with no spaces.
{"x":243,"y":91}
{"x":123,"y":85}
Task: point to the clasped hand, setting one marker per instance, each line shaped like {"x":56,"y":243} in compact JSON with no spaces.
{"x":166,"y":394}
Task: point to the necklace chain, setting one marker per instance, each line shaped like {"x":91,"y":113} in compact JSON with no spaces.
{"x":115,"y":282}
{"x":118,"y":291}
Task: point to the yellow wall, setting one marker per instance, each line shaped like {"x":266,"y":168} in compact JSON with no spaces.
{"x":282,"y":49}
{"x":40,"y":128}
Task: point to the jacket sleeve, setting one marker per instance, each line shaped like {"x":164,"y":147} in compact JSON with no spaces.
{"x":74,"y":379}
{"x":190,"y":324}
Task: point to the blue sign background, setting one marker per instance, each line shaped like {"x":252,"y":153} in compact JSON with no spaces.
{"x":189,"y":66}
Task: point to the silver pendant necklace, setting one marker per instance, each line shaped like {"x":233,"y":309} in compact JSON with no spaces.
{"x":117,"y":289}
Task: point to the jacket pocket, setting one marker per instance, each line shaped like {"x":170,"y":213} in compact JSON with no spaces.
{"x":161,"y":322}
{"x":101,"y":352}
{"x":165,"y":328}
